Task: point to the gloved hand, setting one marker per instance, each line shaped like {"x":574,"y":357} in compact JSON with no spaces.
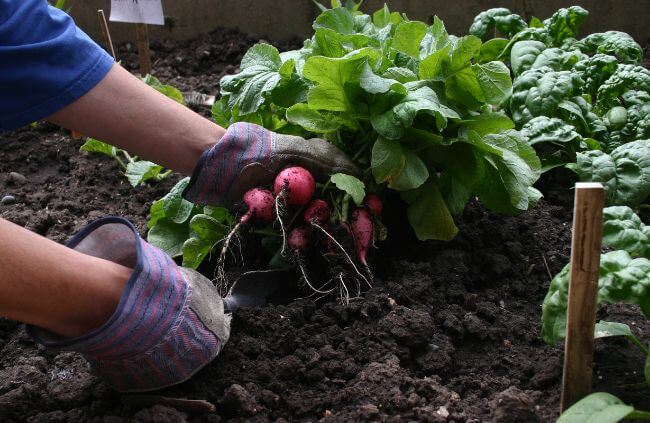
{"x":249,"y":156}
{"x":169,"y":323}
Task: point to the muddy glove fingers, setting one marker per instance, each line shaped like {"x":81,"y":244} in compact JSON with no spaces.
{"x":249,"y":155}
{"x":170,"y":321}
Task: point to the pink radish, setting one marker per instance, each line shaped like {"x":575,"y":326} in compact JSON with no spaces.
{"x":298,"y":239}
{"x":261,"y":207}
{"x":297,"y":184}
{"x":362,"y":231}
{"x":260,"y":204}
{"x":373,"y":204}
{"x":318,"y":211}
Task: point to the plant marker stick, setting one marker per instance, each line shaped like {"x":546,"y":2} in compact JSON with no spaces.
{"x":144,"y":55}
{"x":106,"y":33}
{"x":583,"y":292}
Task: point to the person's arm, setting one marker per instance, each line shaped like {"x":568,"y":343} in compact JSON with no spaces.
{"x":126,"y":113}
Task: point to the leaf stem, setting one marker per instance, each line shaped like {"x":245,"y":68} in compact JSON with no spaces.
{"x":163,"y":175}
{"x":345,"y":205}
{"x":120,"y":162}
{"x":127,"y":156}
{"x":638,"y":414}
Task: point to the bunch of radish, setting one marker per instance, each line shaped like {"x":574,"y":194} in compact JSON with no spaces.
{"x":312,"y":224}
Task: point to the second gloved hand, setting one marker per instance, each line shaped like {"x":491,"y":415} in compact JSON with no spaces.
{"x":248,"y":156}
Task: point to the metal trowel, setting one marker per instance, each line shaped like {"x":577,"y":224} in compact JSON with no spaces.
{"x":256,"y":288}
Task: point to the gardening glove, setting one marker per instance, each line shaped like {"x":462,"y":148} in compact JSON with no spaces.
{"x":249,"y":156}
{"x":169,"y":323}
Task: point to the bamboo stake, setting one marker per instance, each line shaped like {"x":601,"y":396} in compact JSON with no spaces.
{"x":106,"y":33}
{"x":583,"y":292}
{"x":143,"y":48}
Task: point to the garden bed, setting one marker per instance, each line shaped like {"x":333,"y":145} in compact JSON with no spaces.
{"x":450,"y":332}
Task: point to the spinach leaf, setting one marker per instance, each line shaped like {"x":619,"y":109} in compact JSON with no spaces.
{"x":622,"y":279}
{"x":498,"y":18}
{"x":625,"y":172}
{"x":614,"y":43}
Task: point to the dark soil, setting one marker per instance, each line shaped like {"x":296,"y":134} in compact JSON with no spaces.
{"x":451,"y":331}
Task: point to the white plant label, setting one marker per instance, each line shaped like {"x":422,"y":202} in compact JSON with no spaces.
{"x":137,"y":11}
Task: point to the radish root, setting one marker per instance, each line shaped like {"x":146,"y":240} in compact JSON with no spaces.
{"x":279,"y":210}
{"x":347,"y":256}
{"x":221,"y":282}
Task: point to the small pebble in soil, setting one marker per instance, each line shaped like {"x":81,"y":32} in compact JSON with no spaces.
{"x":17,"y":179}
{"x":8,"y":199}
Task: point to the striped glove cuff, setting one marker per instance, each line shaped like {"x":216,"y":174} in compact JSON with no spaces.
{"x":169,"y":322}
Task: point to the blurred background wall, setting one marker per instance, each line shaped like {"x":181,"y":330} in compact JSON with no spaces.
{"x":283,"y":19}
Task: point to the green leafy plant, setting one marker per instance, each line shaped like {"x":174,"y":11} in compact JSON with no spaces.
{"x":624,"y":277}
{"x":601,"y":407}
{"x":136,"y":171}
{"x":411,"y":104}
{"x":439,"y":119}
{"x":185,"y":230}
{"x":625,"y":172}
{"x":571,"y":97}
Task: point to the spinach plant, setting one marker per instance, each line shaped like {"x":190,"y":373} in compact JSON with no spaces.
{"x":601,"y":407}
{"x":624,"y":277}
{"x":574,"y":97}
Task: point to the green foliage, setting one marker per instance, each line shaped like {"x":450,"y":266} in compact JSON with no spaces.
{"x":624,"y":79}
{"x":624,"y":230}
{"x":565,"y":23}
{"x":543,"y":92}
{"x":397,"y":96}
{"x":440,"y":119}
{"x":625,"y":172}
{"x":577,"y":95}
{"x":181,"y":228}
{"x":167,"y":90}
{"x":546,"y":129}
{"x":351,"y":186}
{"x":622,"y":279}
{"x":600,"y":407}
{"x":136,"y":171}
{"x":624,"y":273}
{"x":498,"y":18}
{"x":613,"y":43}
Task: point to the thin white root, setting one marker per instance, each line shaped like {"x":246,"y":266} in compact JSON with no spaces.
{"x":343,"y":289}
{"x":347,"y":256}
{"x":305,"y":279}
{"x":370,"y":275}
{"x":221,"y":282}
{"x":279,"y":211}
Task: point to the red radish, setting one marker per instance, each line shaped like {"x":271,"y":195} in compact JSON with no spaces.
{"x":373,"y":204}
{"x":298,"y":183}
{"x":298,"y":239}
{"x":261,"y":207}
{"x":318,"y":211}
{"x":260,"y":204}
{"x":362,"y":231}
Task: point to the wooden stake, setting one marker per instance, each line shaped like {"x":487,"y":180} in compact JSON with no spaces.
{"x":583,"y":292}
{"x":106,"y":33}
{"x":143,"y":48}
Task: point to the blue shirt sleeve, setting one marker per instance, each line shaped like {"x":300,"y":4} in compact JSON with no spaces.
{"x":46,"y":62}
